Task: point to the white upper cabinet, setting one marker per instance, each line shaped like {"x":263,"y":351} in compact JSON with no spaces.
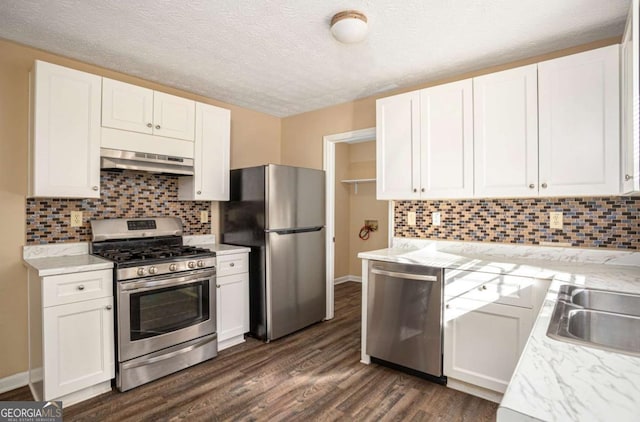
{"x":629,"y":102}
{"x":398,"y":146}
{"x":446,"y":147}
{"x":424,"y":143}
{"x":211,"y":156}
{"x":133,"y":108}
{"x":579,"y":138}
{"x":64,"y":145}
{"x":506,"y":133}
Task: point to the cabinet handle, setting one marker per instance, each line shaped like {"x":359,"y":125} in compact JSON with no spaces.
{"x":544,"y":186}
{"x":149,"y":124}
{"x":108,"y":307}
{"x":95,"y":188}
{"x":531,"y":186}
{"x":199,"y":192}
{"x":157,"y":126}
{"x":232,"y":264}
{"x":81,"y":287}
{"x":628,"y":177}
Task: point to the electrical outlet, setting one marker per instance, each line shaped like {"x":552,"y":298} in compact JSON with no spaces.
{"x":371,"y":223}
{"x":204,"y":216}
{"x":76,"y":218}
{"x":435,"y":218}
{"x":411,"y":218}
{"x":555,"y":220}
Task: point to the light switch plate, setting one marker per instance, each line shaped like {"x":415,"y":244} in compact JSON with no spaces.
{"x":76,"y":218}
{"x":555,"y":220}
{"x":411,"y":218}
{"x":435,"y":218}
{"x":204,"y":216}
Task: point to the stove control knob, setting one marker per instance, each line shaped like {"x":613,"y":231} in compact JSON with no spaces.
{"x":201,"y":263}
{"x":173,"y":267}
{"x":141,"y":271}
{"x":153,"y":270}
{"x":191,"y":264}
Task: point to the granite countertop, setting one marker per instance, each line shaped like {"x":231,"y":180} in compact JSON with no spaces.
{"x":554,"y":380}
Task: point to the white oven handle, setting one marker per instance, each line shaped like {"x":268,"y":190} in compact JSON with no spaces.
{"x":164,"y":281}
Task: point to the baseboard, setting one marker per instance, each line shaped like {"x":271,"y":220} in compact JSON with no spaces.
{"x":346,"y":278}
{"x":14,"y":381}
{"x":475,"y":390}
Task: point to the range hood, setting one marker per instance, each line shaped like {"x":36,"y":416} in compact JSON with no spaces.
{"x":154,"y":163}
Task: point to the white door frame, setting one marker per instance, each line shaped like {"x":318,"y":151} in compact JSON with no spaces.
{"x":329,"y":166}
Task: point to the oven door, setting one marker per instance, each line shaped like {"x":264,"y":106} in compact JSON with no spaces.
{"x":159,"y":312}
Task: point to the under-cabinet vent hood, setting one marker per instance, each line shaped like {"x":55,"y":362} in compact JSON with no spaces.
{"x":154,"y":163}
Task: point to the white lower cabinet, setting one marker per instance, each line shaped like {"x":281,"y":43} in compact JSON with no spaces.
{"x":483,"y":341}
{"x":487,"y":321}
{"x":71,"y":335}
{"x":232,"y":299}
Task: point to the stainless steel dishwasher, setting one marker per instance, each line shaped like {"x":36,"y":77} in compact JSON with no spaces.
{"x":404,"y":317}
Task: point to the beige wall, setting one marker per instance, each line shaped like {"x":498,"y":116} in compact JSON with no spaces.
{"x":255,"y":139}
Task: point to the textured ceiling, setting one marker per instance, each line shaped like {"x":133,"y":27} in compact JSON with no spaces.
{"x":278,"y":56}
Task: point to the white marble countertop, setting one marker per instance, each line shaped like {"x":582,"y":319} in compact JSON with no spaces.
{"x":55,"y":265}
{"x":209,"y":242}
{"x":554,"y":380}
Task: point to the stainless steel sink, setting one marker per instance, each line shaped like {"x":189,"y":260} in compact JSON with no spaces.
{"x":597,"y":318}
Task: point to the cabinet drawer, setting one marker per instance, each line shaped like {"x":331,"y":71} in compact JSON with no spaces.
{"x":491,"y":288}
{"x":233,"y":264}
{"x":76,"y":287}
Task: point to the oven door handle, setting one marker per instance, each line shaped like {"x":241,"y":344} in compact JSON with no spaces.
{"x":160,"y":358}
{"x":165,"y":281}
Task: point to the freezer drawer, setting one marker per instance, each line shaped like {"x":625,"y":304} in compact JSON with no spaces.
{"x":404,"y":316}
{"x":296,"y":289}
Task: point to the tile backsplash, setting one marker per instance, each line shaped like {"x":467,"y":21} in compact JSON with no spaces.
{"x":126,"y":194}
{"x":599,"y":222}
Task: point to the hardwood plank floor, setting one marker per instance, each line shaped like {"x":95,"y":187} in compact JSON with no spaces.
{"x":311,"y":375}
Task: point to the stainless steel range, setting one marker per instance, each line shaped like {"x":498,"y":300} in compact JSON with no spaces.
{"x":165,"y":297}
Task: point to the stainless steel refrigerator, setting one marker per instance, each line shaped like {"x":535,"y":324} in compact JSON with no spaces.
{"x":279,"y":212}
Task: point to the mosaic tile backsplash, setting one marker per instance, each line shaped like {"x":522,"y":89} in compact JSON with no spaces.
{"x":127,"y":194}
{"x":602,"y":222}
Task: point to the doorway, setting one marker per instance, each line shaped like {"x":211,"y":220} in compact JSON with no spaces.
{"x":343,"y":150}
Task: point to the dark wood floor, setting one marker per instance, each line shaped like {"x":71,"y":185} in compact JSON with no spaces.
{"x":311,"y":375}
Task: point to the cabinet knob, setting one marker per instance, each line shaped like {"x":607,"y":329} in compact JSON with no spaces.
{"x":199,"y":192}
{"x":447,"y":306}
{"x":218,"y":286}
{"x":628,"y":177}
{"x":531,"y":186}
{"x":484,"y":287}
{"x":544,"y":186}
{"x":415,"y":190}
{"x":422,"y":190}
{"x":232,"y":264}
{"x":108,"y":307}
{"x":157,"y":126}
{"x":95,"y":188}
{"x":81,"y":287}
{"x":149,"y":124}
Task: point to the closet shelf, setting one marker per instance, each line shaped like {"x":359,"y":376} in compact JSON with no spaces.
{"x":356,"y":181}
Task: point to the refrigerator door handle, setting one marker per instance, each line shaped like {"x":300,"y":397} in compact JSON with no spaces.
{"x":292,"y":231}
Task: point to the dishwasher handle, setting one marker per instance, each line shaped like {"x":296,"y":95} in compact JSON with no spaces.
{"x":406,"y":276}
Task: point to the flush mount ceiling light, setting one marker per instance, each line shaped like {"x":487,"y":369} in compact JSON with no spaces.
{"x":349,"y":26}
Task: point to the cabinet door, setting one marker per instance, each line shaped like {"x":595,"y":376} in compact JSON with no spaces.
{"x":210,"y":181}
{"x":579,"y":142}
{"x":232,"y":306}
{"x":630,"y":103}
{"x":78,"y":346}
{"x":483,"y":341}
{"x":398,"y":146}
{"x":65,"y":134}
{"x":126,"y":106}
{"x":173,"y":117}
{"x":506,"y":133}
{"x":446,"y":149}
